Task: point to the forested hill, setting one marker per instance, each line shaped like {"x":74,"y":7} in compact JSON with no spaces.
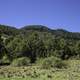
{"x":37,"y":41}
{"x":7,"y":30}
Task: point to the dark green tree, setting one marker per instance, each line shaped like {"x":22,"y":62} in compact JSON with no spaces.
{"x":1,"y":47}
{"x":34,"y":47}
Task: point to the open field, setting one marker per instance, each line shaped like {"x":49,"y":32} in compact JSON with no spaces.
{"x":37,"y":73}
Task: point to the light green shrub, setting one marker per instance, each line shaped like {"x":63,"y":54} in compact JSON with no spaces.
{"x":24,"y":61}
{"x":60,"y":64}
{"x":53,"y":62}
{"x":4,"y":60}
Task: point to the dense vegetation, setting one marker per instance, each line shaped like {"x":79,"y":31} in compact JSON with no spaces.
{"x":36,"y":52}
{"x":36,"y":42}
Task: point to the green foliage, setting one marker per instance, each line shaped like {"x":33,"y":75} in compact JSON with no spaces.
{"x":7,"y":30}
{"x":4,"y":60}
{"x":33,"y":47}
{"x":37,"y":41}
{"x":77,"y":48}
{"x":51,"y":52}
{"x":2,"y":48}
{"x":23,"y":61}
{"x":60,"y":64}
{"x":53,"y":62}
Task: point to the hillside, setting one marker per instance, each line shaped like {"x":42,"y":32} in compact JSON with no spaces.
{"x":36,"y":52}
{"x":7,"y":30}
{"x":39,"y":41}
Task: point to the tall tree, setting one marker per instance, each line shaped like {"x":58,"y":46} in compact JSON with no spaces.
{"x":2,"y":48}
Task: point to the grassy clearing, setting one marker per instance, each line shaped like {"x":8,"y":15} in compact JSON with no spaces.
{"x":37,"y":73}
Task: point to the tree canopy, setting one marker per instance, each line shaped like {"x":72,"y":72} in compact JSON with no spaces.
{"x":37,"y":41}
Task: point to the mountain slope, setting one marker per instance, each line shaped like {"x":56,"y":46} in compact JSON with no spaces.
{"x":11,"y":31}
{"x":58,"y":33}
{"x":8,"y":30}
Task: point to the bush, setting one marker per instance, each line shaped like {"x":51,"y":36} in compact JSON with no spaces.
{"x":4,"y":61}
{"x":24,"y":61}
{"x":53,"y":62}
{"x":60,"y":64}
{"x":48,"y":62}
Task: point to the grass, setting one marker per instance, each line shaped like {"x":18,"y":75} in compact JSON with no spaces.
{"x":37,"y":73}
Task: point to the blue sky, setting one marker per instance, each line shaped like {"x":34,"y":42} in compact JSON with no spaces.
{"x":52,"y":13}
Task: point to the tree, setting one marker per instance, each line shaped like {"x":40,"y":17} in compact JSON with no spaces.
{"x":3,"y":53}
{"x":77,"y":48}
{"x":34,"y":47}
{"x":1,"y":47}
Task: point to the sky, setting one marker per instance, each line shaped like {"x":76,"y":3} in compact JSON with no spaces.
{"x":55,"y":14}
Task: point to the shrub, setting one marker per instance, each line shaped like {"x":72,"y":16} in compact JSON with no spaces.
{"x":4,"y":61}
{"x":60,"y":64}
{"x":53,"y":62}
{"x":24,"y":61}
{"x":48,"y":62}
